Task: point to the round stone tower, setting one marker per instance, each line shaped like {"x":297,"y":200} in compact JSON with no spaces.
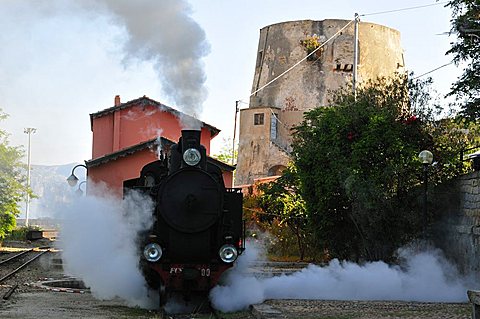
{"x":265,"y":126}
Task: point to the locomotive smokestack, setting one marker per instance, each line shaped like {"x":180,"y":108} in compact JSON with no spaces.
{"x":188,"y":152}
{"x":117,"y":100}
{"x":191,"y":140}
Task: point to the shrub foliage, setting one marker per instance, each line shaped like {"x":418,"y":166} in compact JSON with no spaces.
{"x":12,"y":182}
{"x":358,"y":168}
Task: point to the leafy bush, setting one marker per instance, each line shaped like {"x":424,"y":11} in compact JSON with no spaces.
{"x":20,"y":233}
{"x":358,"y":167}
{"x":12,"y":178}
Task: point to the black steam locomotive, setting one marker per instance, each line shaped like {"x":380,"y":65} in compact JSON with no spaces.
{"x":198,"y":231}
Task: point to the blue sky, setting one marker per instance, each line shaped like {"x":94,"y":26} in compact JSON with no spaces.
{"x":61,"y":60}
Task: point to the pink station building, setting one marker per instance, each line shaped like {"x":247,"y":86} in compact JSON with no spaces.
{"x":128,"y":136}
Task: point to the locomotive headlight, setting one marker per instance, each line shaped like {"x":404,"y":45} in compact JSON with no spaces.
{"x":152,"y":252}
{"x":192,"y":156}
{"x":228,"y":253}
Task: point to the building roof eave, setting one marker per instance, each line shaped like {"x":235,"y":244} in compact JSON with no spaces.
{"x":165,"y":144}
{"x":224,"y":166}
{"x":144,"y":100}
{"x":128,"y":151}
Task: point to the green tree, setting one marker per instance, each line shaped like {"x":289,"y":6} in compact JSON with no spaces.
{"x":283,"y":204}
{"x":466,"y":49}
{"x":225,"y":154}
{"x":12,"y":181}
{"x":357,"y":161}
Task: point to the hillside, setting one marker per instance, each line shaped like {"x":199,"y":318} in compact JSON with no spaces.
{"x":50,"y":185}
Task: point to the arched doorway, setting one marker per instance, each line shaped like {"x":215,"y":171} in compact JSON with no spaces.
{"x":276,"y":170}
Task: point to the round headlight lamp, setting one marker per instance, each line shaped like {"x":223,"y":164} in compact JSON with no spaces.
{"x":192,"y":156}
{"x":228,"y":253}
{"x":152,"y":252}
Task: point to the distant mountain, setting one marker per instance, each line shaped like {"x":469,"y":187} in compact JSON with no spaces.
{"x":49,"y":183}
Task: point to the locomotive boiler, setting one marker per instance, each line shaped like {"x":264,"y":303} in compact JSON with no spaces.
{"x":198,"y":231}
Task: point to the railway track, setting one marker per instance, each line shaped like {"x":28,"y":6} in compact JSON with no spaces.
{"x":12,"y":264}
{"x":204,"y":310}
{"x":213,"y":314}
{"x":258,"y":269}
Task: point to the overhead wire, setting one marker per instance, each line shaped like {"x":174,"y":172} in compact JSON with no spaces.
{"x":411,"y":8}
{"x":437,"y":68}
{"x":404,"y":9}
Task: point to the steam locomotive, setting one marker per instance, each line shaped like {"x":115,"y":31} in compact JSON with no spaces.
{"x":198,"y":231}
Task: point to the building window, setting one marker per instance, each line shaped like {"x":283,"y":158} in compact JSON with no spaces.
{"x":344,"y":67}
{"x":258,"y":118}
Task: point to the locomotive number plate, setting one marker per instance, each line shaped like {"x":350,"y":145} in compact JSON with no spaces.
{"x":204,"y":271}
{"x":176,"y":270}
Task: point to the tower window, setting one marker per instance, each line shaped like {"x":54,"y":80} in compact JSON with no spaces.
{"x":273,"y":126}
{"x":344,"y":67}
{"x":258,"y":118}
{"x":259,"y":58}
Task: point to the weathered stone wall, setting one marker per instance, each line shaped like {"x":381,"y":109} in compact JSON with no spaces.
{"x":265,"y":151}
{"x":458,"y":230}
{"x":308,"y":85}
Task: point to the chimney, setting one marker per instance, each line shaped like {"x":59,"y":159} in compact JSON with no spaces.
{"x":117,"y":100}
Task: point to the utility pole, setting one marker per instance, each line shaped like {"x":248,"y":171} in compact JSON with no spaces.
{"x":355,"y":56}
{"x":29,"y":131}
{"x":234,"y":132}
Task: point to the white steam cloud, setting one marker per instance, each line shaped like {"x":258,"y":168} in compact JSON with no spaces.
{"x":99,"y":243}
{"x":158,"y":142}
{"x":164,"y":32}
{"x":424,"y":276}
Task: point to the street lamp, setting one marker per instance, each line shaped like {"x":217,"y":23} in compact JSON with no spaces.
{"x":72,"y":179}
{"x":29,"y":131}
{"x":426,"y":157}
{"x":79,"y":191}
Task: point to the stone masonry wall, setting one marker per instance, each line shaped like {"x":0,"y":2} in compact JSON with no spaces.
{"x":306,"y":86}
{"x":458,"y":230}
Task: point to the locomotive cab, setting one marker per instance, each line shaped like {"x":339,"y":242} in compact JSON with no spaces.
{"x":198,"y":229}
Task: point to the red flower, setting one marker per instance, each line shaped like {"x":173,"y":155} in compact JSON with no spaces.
{"x":350,"y":136}
{"x":411,"y":119}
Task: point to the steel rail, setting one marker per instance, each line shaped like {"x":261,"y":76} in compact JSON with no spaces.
{"x":214,"y":313}
{"x":22,"y":266}
{"x":15,"y":256}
